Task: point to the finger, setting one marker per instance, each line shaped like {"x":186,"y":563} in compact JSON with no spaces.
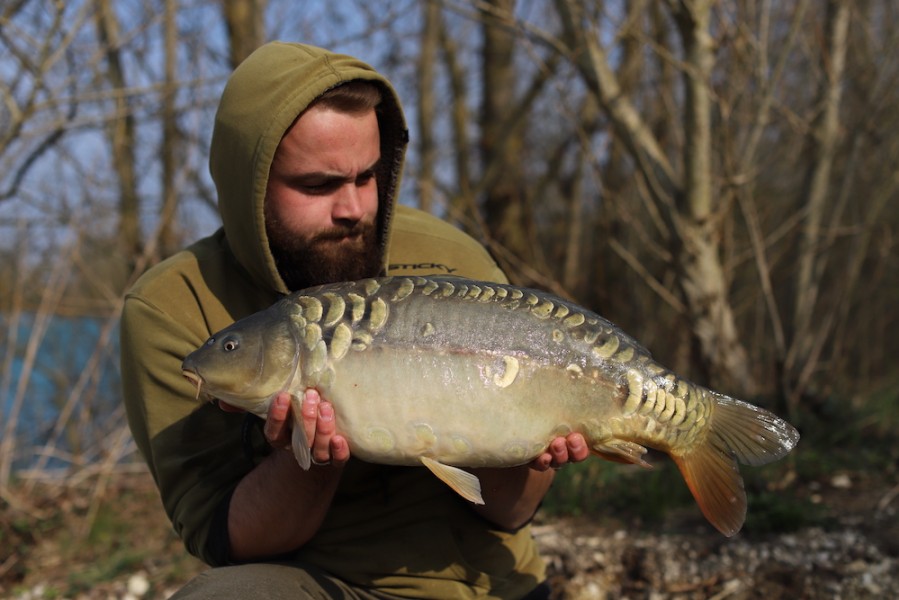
{"x":542,"y":462}
{"x":340,"y":451}
{"x":276,"y":429}
{"x":324,"y":431}
{"x":558,"y":449}
{"x":577,"y":448}
{"x":311,"y":400}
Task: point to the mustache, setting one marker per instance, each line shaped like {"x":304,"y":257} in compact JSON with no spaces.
{"x":340,"y":232}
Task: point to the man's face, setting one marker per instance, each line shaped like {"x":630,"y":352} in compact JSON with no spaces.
{"x":321,"y":203}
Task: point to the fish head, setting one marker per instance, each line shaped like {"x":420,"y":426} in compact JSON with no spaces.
{"x":246,"y":363}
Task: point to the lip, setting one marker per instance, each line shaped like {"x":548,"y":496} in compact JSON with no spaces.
{"x":352,"y":238}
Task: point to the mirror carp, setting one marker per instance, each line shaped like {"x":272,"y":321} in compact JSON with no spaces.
{"x":450,"y":373}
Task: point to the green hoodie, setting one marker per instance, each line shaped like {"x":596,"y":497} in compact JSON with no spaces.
{"x":397,"y":529}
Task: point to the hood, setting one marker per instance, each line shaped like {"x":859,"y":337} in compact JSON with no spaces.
{"x":262,"y":98}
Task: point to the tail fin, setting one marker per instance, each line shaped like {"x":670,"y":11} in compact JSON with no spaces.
{"x":738,"y":432}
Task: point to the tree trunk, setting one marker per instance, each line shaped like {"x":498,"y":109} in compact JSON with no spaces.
{"x":504,"y":201}
{"x":462,"y":205}
{"x":427,"y":149}
{"x":698,"y":252}
{"x":168,"y":237}
{"x":122,"y":138}
{"x":245,"y":20}
{"x":686,"y":205}
{"x":824,"y":138}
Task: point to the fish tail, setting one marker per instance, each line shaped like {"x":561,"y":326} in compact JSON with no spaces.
{"x":738,"y":432}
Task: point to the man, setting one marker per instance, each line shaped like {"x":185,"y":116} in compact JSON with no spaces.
{"x":306,"y":157}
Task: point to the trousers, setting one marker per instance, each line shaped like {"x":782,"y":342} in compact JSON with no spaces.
{"x":283,"y":581}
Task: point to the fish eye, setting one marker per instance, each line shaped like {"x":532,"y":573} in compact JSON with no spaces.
{"x":230,"y":345}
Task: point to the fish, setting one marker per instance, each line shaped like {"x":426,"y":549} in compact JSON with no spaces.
{"x":451,"y":373}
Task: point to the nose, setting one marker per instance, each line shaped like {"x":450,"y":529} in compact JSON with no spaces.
{"x":348,"y":206}
{"x":353,"y":201}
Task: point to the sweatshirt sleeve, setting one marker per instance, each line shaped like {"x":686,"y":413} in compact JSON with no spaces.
{"x":195,"y":451}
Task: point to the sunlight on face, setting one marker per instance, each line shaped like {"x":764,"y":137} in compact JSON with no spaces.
{"x":322,"y":198}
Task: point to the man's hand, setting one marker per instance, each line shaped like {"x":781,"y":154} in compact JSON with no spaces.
{"x":327,"y":446}
{"x":561,"y":451}
{"x":512,"y":495}
{"x":278,"y":507}
{"x":318,"y":422}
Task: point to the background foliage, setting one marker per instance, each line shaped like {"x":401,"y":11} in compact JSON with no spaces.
{"x":718,"y":177}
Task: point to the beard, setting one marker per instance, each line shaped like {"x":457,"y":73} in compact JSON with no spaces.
{"x":341,"y":253}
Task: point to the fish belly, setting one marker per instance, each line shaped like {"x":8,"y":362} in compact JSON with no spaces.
{"x":466,"y":409}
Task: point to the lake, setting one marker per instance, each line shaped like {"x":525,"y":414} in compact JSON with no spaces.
{"x":67,"y":399}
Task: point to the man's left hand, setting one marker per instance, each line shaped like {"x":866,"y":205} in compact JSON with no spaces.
{"x":561,"y":451}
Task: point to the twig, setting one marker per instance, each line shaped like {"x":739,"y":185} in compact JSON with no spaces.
{"x":76,"y":393}
{"x":651,"y":281}
{"x":19,"y":506}
{"x":888,"y":498}
{"x":50,"y":298}
{"x":108,"y":467}
{"x":8,"y":564}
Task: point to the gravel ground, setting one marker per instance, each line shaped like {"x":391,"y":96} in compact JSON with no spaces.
{"x":809,"y":564}
{"x":856,"y":557}
{"x":606,"y":565}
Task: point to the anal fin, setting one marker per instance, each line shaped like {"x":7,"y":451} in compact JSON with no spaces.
{"x":462,"y":482}
{"x":622,"y":451}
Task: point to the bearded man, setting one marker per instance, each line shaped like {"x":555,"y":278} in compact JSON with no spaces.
{"x":306,"y":155}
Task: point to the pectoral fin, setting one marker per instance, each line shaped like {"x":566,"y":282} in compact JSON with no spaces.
{"x":298,"y":441}
{"x":622,"y":451}
{"x":463,"y":483}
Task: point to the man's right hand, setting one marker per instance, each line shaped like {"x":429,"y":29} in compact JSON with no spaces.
{"x":278,"y":507}
{"x":327,"y":446}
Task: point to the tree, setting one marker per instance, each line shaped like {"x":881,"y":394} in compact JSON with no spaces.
{"x":686,"y":201}
{"x":719,"y":178}
{"x":122,"y":138}
{"x":245,"y":22}
{"x":824,"y":136}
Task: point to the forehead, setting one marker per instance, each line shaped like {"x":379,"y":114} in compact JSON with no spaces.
{"x":322,"y":136}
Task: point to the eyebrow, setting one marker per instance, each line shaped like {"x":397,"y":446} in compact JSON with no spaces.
{"x":326,"y":176}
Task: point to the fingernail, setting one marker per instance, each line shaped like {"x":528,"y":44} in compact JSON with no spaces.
{"x":326,"y":411}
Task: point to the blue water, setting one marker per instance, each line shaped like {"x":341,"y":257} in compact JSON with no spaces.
{"x":62,"y":366}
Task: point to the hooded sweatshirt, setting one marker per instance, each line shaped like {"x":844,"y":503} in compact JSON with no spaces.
{"x":397,"y":529}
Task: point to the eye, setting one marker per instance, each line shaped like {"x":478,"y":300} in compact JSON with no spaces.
{"x":320,"y":190}
{"x":230,"y":345}
{"x":364,"y":178}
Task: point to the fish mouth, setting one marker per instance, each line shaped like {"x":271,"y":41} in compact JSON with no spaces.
{"x":194,"y":378}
